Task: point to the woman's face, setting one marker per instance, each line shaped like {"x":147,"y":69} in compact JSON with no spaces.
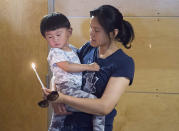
{"x":98,"y":37}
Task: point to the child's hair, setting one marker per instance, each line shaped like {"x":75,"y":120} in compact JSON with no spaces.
{"x":110,"y":18}
{"x":53,"y":21}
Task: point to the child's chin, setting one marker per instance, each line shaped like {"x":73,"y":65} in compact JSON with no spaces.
{"x":57,"y":47}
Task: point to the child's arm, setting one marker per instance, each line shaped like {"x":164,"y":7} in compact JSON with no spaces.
{"x":73,"y":67}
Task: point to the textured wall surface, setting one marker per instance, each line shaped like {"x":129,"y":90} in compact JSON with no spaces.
{"x":21,"y":44}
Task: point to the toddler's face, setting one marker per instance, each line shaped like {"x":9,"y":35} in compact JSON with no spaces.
{"x":58,"y":38}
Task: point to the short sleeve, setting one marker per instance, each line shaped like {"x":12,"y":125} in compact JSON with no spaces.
{"x":73,"y":48}
{"x":125,"y":68}
{"x":56,"y":55}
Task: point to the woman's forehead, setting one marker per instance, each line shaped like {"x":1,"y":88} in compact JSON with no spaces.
{"x":94,"y":22}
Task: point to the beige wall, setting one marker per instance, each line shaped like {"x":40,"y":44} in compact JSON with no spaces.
{"x":151,"y":103}
{"x":20,"y":44}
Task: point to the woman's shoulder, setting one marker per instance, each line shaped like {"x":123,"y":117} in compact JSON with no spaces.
{"x":84,"y":49}
{"x":121,"y":60}
{"x":124,"y":66}
{"x":123,"y":57}
{"x":86,"y":46}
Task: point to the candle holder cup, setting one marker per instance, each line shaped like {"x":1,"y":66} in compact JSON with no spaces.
{"x":51,"y":97}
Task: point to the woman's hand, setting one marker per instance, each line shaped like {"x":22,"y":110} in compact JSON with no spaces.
{"x":59,"y":109}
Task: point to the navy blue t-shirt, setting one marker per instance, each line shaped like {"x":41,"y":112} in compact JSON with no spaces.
{"x":117,"y":64}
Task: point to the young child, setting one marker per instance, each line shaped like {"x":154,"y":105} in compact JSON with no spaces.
{"x":65,"y":65}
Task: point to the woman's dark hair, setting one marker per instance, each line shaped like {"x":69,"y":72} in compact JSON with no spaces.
{"x":53,"y":21}
{"x":110,"y":18}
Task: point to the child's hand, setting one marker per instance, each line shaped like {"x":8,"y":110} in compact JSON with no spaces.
{"x":94,"y":67}
{"x":46,"y":91}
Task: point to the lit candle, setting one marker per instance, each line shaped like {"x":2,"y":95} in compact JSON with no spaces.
{"x":33,"y":67}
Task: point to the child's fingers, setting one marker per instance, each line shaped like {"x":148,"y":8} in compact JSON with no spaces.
{"x":46,"y":91}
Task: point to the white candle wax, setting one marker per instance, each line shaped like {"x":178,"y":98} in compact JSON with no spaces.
{"x":33,"y":67}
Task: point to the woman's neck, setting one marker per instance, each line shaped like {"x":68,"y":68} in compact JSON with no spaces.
{"x":105,"y":51}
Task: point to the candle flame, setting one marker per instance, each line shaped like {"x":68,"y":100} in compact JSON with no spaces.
{"x":33,"y":65}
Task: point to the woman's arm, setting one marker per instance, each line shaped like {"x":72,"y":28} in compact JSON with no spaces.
{"x":102,"y":106}
{"x":73,"y":67}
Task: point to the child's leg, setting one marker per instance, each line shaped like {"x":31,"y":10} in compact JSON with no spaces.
{"x":98,"y":123}
{"x":76,"y":93}
{"x":69,"y":88}
{"x":57,"y":123}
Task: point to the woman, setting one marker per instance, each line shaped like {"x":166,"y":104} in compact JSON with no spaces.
{"x":107,"y":29}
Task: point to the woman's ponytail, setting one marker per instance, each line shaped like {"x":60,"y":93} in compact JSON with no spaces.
{"x":126,"y":34}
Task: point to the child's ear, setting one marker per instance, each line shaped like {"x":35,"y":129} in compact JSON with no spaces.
{"x":70,"y":31}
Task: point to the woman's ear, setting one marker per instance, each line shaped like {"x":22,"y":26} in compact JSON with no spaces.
{"x":114,"y":33}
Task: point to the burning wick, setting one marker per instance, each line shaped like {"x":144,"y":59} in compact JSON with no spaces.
{"x":33,"y":67}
